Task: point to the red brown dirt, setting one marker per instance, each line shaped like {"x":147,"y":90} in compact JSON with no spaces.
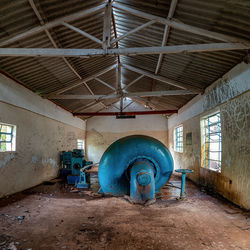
{"x":57,"y":219}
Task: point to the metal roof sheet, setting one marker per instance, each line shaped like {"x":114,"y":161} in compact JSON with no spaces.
{"x":46,"y":75}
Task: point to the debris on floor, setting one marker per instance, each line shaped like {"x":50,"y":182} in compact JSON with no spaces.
{"x":34,"y":219}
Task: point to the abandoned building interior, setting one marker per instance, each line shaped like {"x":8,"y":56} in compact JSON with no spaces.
{"x":124,"y":124}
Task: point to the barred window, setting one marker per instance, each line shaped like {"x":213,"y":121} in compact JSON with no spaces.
{"x":80,"y":144}
{"x":7,"y":137}
{"x":178,"y":139}
{"x":211,"y":142}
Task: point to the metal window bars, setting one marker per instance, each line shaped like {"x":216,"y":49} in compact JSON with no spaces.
{"x":213,"y":142}
{"x":179,"y":139}
{"x":6,"y":137}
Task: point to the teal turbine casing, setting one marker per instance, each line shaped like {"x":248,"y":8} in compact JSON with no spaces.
{"x":135,"y":165}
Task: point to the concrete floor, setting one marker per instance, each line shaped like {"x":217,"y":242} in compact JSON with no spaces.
{"x":57,"y":219}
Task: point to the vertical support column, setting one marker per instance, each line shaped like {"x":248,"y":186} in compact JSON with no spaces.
{"x":183,"y":178}
{"x":118,"y":85}
{"x":107,"y":26}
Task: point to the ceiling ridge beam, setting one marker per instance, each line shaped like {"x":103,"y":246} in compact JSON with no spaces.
{"x":54,"y":23}
{"x":179,"y":26}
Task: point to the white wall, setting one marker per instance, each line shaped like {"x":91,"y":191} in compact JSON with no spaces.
{"x":232,"y":84}
{"x":231,"y":96}
{"x":43,"y":130}
{"x":17,"y":95}
{"x":102,"y":131}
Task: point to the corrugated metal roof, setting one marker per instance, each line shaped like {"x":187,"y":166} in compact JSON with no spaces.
{"x":46,"y":75}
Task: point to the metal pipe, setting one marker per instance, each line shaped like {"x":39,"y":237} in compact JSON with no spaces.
{"x":152,"y":112}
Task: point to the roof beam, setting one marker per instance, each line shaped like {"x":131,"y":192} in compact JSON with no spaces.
{"x":83,"y":97}
{"x":158,"y":93}
{"x":157,"y":77}
{"x":143,"y":26}
{"x":33,"y":6}
{"x":179,"y":26}
{"x":107,"y":26}
{"x":54,"y":23}
{"x":166,"y":33}
{"x":78,"y":83}
{"x":83,"y":33}
{"x":189,"y":48}
{"x":128,"y":94}
{"x":154,"y":112}
{"x":115,"y":34}
{"x":134,"y":81}
{"x":104,"y":83}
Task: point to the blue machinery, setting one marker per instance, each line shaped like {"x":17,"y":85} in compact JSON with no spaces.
{"x":74,"y":166}
{"x":137,"y":166}
{"x":183,"y":178}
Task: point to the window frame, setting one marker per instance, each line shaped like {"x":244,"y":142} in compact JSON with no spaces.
{"x":206,"y":141}
{"x":178,"y":148}
{"x":82,"y":141}
{"x":12,"y":141}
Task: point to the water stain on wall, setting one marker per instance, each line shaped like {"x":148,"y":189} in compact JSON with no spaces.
{"x":6,"y":159}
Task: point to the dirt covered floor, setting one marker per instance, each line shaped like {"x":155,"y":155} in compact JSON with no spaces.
{"x":51,"y":217}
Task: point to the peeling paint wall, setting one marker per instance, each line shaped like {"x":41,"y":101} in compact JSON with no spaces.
{"x":103,"y":131}
{"x":39,"y":139}
{"x":231,"y":96}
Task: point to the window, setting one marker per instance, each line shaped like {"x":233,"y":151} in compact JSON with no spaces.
{"x":7,"y":137}
{"x":211,"y":142}
{"x":178,"y":139}
{"x":80,"y":144}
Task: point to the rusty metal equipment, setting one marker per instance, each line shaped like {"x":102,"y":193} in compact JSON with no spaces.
{"x":137,"y":166}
